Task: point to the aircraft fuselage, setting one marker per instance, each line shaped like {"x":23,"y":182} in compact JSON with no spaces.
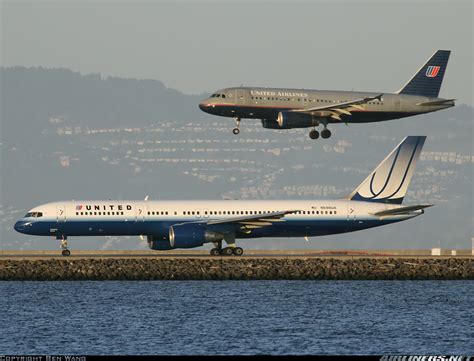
{"x":267,"y":103}
{"x":134,"y":218}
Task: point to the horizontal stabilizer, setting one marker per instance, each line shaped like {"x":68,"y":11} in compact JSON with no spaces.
{"x":438,"y":102}
{"x":401,"y":210}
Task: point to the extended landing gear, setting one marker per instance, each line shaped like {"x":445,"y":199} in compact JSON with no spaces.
{"x":236,"y":130}
{"x":227,"y":251}
{"x":325,"y":133}
{"x":65,"y":251}
{"x":314,"y":134}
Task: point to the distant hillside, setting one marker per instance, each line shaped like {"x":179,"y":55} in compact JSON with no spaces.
{"x":30,"y":96}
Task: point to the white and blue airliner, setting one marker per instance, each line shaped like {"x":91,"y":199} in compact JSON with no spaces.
{"x":167,"y":225}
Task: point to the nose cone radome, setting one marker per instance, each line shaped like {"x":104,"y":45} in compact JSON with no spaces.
{"x":20,"y":226}
{"x":202,"y":106}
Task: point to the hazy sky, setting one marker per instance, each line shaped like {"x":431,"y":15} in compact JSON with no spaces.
{"x":198,"y":46}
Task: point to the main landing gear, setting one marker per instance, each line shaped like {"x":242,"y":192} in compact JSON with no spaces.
{"x":325,"y":133}
{"x":236,"y":130}
{"x":227,"y":251}
{"x":231,"y":250}
{"x":65,"y":251}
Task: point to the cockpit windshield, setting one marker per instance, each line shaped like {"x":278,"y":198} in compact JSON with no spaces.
{"x":34,"y":214}
{"x":218,"y":95}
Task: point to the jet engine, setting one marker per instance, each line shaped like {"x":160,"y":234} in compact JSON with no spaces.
{"x":158,"y":244}
{"x":190,"y":235}
{"x":288,"y":120}
{"x":270,"y":124}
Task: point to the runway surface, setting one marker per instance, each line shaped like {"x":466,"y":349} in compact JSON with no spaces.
{"x":301,"y":254}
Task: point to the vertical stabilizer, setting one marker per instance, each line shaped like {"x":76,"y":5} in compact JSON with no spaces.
{"x":427,"y":81}
{"x":388,"y":183}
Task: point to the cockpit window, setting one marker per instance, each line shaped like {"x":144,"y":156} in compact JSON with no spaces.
{"x":223,"y":95}
{"x":34,"y":214}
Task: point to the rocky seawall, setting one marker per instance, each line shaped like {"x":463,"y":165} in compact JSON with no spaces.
{"x":258,"y":268}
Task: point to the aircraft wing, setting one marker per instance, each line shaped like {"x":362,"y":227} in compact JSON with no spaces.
{"x":401,"y":210}
{"x":252,"y":221}
{"x":245,"y":222}
{"x":336,"y":109}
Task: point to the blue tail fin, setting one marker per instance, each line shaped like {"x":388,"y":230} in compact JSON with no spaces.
{"x":388,"y":183}
{"x":427,"y":81}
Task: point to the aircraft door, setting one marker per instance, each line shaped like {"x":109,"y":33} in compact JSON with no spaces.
{"x":61,"y":213}
{"x":351,"y":212}
{"x":139,"y":213}
{"x":397,"y":105}
{"x":239,"y":96}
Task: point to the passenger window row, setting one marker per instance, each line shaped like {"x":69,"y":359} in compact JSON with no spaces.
{"x":99,"y":213}
{"x":188,"y":213}
{"x":311,"y":100}
{"x":162,"y":213}
{"x":218,"y":213}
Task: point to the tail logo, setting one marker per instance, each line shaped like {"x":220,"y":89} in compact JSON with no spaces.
{"x":432,"y":71}
{"x":388,"y":183}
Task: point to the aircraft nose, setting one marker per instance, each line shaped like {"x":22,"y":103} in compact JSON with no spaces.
{"x":19,"y":226}
{"x":203,"y":106}
{"x":22,"y":226}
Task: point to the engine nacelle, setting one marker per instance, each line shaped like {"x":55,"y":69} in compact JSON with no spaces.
{"x":288,"y":120}
{"x":190,"y":235}
{"x":270,"y":124}
{"x":158,"y":244}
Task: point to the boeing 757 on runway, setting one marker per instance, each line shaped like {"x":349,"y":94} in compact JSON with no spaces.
{"x":280,"y":108}
{"x":377,"y":201}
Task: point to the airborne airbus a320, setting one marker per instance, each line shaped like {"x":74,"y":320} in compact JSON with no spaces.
{"x":377,"y":201}
{"x":280,"y":108}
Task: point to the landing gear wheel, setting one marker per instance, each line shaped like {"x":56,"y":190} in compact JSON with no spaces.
{"x":228,"y":251}
{"x":238,"y":251}
{"x":236,"y":130}
{"x":66,"y":252}
{"x":215,"y":252}
{"x":314,"y":134}
{"x":326,"y":133}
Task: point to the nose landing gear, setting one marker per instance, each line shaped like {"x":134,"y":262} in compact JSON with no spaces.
{"x":65,"y":251}
{"x":236,"y":130}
